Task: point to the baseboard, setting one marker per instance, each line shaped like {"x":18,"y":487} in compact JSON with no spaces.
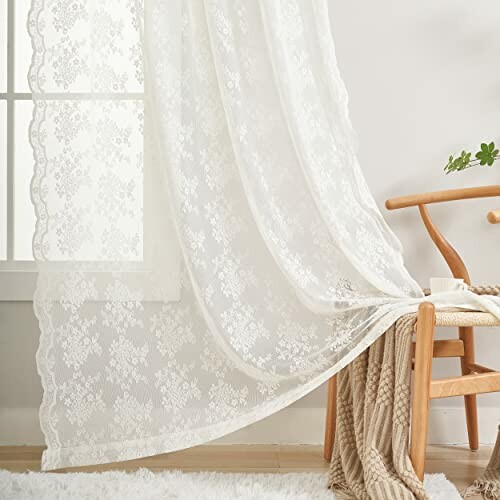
{"x":19,"y":426}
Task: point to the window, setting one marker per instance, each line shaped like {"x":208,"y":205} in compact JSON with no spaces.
{"x":68,"y":99}
{"x":17,"y":217}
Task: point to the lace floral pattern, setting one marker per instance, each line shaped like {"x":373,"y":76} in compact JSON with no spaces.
{"x":287,"y":271}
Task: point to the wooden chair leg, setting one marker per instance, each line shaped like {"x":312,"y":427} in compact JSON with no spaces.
{"x":421,"y":387}
{"x":466,"y":334}
{"x":331,"y":418}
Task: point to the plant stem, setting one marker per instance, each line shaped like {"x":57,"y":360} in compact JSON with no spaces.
{"x":478,"y":162}
{"x":473,"y":163}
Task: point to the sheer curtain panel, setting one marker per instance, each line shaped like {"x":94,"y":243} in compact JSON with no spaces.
{"x":207,"y":247}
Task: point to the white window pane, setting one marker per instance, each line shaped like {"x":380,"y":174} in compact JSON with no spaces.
{"x":3,"y":180}
{"x":3,"y":45}
{"x":23,"y":51}
{"x":24,"y":215}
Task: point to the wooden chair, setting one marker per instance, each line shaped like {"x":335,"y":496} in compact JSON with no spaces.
{"x":475,"y":379}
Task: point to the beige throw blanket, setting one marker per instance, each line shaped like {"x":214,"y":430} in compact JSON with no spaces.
{"x":370,"y":456}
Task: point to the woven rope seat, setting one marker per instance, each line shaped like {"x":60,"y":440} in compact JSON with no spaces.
{"x":485,"y":289}
{"x":465,"y":318}
{"x":461,"y":317}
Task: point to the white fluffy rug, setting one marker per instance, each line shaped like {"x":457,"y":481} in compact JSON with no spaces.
{"x":176,"y":485}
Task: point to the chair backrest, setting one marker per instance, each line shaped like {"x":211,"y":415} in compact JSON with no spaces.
{"x":451,"y":256}
{"x":494,"y":216}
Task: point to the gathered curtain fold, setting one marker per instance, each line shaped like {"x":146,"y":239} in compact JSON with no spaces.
{"x":208,"y":249}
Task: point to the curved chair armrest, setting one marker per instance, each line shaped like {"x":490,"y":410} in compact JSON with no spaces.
{"x":494,"y":216}
{"x":440,"y":196}
{"x":450,"y":255}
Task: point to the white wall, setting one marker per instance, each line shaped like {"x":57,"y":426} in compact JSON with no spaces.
{"x":424,"y":82}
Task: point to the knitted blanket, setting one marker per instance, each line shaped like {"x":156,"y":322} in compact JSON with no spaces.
{"x":370,"y":457}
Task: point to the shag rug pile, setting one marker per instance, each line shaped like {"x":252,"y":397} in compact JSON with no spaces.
{"x":176,"y":485}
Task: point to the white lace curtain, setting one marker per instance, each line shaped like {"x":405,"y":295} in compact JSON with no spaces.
{"x":208,"y":249}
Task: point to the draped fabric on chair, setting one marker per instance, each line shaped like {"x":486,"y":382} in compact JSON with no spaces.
{"x":208,"y":249}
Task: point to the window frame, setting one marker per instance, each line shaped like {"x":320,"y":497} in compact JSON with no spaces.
{"x":18,"y":277}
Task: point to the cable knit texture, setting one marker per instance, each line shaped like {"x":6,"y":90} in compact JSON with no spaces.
{"x":370,"y":457}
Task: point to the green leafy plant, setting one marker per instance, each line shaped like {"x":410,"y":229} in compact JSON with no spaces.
{"x":486,"y":156}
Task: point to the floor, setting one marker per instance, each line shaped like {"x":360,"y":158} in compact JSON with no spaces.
{"x":459,"y":464}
